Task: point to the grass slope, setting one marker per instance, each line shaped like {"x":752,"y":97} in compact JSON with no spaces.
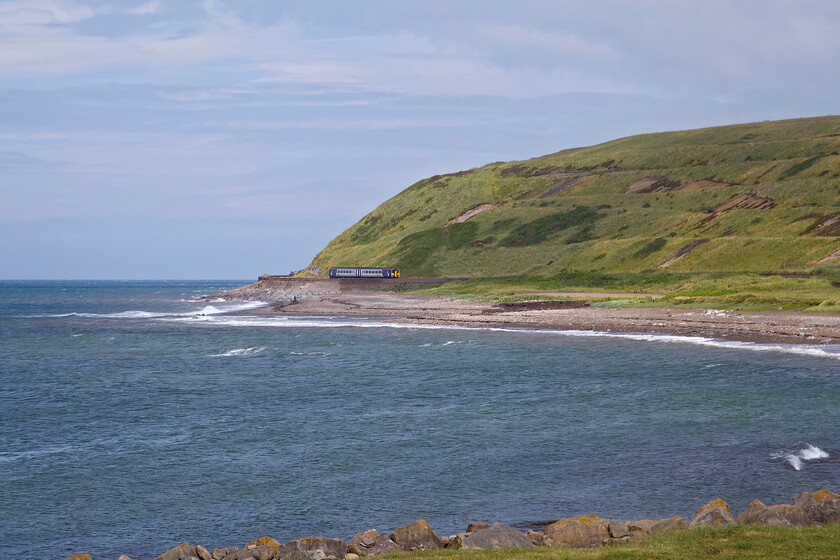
{"x":685,"y":209}
{"x":736,"y":542}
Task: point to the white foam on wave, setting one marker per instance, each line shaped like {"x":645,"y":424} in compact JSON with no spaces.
{"x":140,"y":314}
{"x":241,"y":352}
{"x":798,"y":457}
{"x":817,"y":351}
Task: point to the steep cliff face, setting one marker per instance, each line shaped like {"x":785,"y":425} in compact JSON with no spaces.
{"x":757,"y":197}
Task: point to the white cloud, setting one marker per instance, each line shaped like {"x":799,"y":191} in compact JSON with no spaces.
{"x":149,"y":8}
{"x":42,"y":12}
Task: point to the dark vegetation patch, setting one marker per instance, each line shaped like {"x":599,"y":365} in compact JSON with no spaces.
{"x":799,"y":167}
{"x":415,"y":253}
{"x":683,"y":251}
{"x":650,"y":248}
{"x":524,"y":171}
{"x":535,"y":305}
{"x":549,"y":226}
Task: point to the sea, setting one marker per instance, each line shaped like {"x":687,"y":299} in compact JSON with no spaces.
{"x":134,"y":417}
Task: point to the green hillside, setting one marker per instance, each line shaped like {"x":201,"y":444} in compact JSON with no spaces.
{"x":668,"y":208}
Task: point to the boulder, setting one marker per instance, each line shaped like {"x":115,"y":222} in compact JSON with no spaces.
{"x":477,"y":526}
{"x":641,"y":527}
{"x":351,"y":556}
{"x":264,"y":541}
{"x":251,"y":552}
{"x":785,"y":515}
{"x":492,"y":538}
{"x":619,"y":529}
{"x":578,"y":532}
{"x":417,"y":536}
{"x":536,"y":537}
{"x":371,"y":542}
{"x":716,"y":512}
{"x":819,"y":513}
{"x":307,"y":549}
{"x":124,"y":557}
{"x":183,"y":551}
{"x":79,"y":557}
{"x":669,"y":524}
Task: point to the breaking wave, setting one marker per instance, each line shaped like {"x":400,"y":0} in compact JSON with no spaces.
{"x":139,"y":314}
{"x":798,"y":457}
{"x":252,"y":351}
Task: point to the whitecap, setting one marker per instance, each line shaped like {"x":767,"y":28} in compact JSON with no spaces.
{"x":252,"y":351}
{"x":798,"y":457}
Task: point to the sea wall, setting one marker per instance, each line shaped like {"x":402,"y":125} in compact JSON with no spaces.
{"x":586,"y":531}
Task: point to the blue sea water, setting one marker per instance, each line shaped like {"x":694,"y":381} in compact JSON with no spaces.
{"x":133,"y":418}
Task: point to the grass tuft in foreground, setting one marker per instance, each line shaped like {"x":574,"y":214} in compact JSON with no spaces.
{"x":738,"y":541}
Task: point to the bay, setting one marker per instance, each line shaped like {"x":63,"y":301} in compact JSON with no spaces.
{"x":133,"y":418}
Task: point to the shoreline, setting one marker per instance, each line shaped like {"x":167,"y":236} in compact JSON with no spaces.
{"x":763,"y":327}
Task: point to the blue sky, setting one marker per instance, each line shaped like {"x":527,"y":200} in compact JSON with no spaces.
{"x":226,"y":139}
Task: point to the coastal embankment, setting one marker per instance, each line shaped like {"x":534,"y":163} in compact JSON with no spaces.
{"x":384,"y":298}
{"x":588,"y":531}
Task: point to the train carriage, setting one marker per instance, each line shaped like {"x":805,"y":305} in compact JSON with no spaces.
{"x":363,"y":272}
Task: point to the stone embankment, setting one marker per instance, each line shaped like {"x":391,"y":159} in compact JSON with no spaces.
{"x":588,"y":531}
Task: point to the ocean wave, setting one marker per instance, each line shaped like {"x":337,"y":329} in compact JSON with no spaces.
{"x":798,"y":457}
{"x":141,"y":314}
{"x":244,"y":352}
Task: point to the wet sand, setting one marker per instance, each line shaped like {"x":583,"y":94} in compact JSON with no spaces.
{"x":747,"y":326}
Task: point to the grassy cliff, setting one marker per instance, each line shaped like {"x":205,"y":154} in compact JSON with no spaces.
{"x":676,"y":211}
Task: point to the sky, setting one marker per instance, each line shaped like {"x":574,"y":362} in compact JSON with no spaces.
{"x":224,"y":139}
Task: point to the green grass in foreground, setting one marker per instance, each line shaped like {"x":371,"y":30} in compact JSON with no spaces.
{"x":739,"y":541}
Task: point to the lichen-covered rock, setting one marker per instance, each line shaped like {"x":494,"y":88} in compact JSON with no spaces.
{"x":371,"y":542}
{"x":417,"y":536}
{"x":619,"y":529}
{"x":252,"y":551}
{"x":477,"y":526}
{"x":820,"y":507}
{"x":784,"y":515}
{"x":79,"y":557}
{"x":264,"y":541}
{"x":495,"y":537}
{"x":669,"y":524}
{"x":301,"y":549}
{"x":577,"y":532}
{"x":715,"y":513}
{"x":183,"y":551}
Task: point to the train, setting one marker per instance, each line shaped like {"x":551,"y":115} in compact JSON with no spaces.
{"x":363,"y":272}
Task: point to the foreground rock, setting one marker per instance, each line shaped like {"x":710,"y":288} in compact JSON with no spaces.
{"x":371,"y":542}
{"x":784,"y":515}
{"x":820,"y":507}
{"x":577,"y":532}
{"x":417,"y":536}
{"x":716,"y":512}
{"x":495,"y":537}
{"x":669,"y":524}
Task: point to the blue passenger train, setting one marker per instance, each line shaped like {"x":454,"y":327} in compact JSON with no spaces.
{"x":363,"y":272}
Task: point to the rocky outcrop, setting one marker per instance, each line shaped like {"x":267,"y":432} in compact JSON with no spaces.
{"x":669,"y":524}
{"x":578,"y":532}
{"x":477,"y":526}
{"x":313,"y":548}
{"x":820,"y":507}
{"x":716,"y":512}
{"x":79,"y":557}
{"x":417,"y":536}
{"x":497,"y":536}
{"x":785,"y":515}
{"x":371,"y":542}
{"x":184,"y":551}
